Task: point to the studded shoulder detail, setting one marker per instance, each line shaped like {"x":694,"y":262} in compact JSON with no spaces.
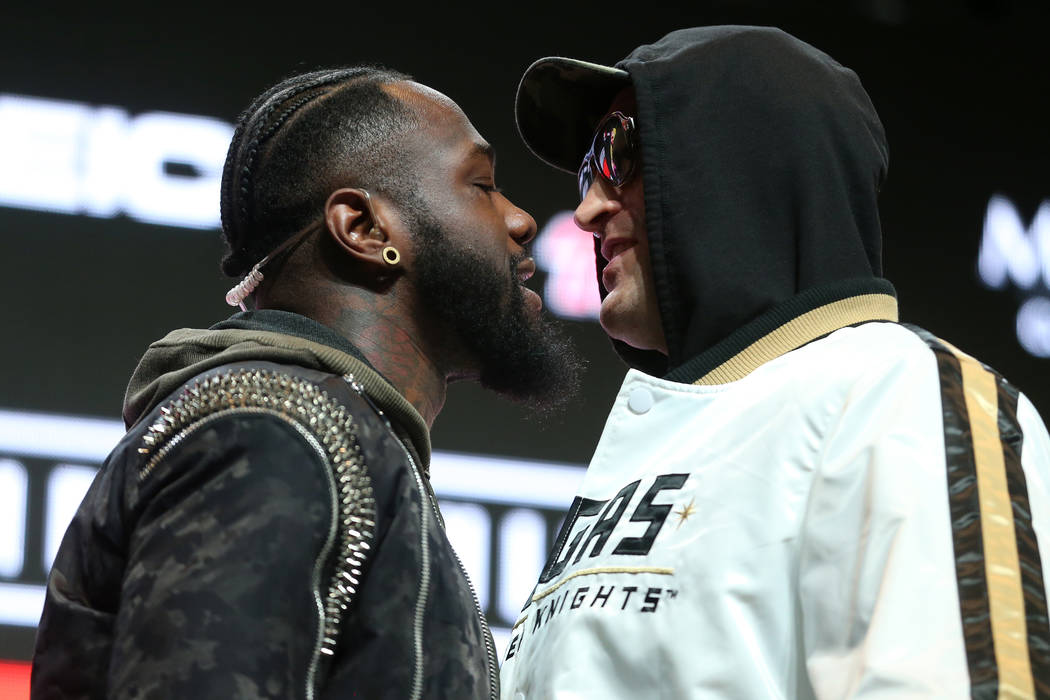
{"x":327,"y":426}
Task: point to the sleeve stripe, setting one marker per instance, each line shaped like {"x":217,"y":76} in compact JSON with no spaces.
{"x":1002,"y":564}
{"x":998,"y":570}
{"x":967,"y":534}
{"x":1032,"y":581}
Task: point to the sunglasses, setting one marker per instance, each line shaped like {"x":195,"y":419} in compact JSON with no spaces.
{"x":612,"y":155}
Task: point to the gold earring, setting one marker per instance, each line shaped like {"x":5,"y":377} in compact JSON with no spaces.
{"x":391,"y":256}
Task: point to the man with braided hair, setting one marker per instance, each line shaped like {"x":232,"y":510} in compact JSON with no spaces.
{"x":266,"y":528}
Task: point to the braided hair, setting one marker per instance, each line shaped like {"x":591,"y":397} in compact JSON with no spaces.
{"x":298,"y":141}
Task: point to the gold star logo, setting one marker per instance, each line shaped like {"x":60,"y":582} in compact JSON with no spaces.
{"x":684,"y":512}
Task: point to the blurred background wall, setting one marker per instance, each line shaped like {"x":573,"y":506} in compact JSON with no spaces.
{"x":113,"y":129}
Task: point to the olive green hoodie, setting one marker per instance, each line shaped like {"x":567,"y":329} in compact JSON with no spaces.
{"x":273,"y":336}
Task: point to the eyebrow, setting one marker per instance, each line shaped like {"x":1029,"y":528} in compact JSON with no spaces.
{"x":485,"y":150}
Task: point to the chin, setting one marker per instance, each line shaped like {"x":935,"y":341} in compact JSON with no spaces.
{"x":623,"y":329}
{"x":609,"y":323}
{"x":616,"y":329}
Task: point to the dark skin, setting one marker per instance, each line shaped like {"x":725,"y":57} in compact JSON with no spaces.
{"x":339,"y":278}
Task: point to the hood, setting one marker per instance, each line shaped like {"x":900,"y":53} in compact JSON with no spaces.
{"x":762,"y":158}
{"x":271,"y":336}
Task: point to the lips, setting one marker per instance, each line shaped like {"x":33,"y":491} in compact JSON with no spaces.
{"x":526,"y":269}
{"x":611,"y":247}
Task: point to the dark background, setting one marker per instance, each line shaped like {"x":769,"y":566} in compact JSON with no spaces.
{"x":961,"y":88}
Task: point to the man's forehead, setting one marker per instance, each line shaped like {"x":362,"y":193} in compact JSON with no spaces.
{"x":439,"y":115}
{"x":420,"y":96}
{"x":430,"y":105}
{"x":445,"y":134}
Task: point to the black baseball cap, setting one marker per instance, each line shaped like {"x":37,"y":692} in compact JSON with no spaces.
{"x":559,"y":103}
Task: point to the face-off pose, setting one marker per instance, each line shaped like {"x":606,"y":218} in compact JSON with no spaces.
{"x":266,"y":528}
{"x":795,"y":495}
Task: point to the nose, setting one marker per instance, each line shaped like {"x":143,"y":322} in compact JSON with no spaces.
{"x":520,"y":224}
{"x":595,"y":207}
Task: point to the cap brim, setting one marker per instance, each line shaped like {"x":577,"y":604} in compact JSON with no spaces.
{"x":559,"y":103}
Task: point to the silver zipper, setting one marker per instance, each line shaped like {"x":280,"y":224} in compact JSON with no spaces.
{"x":424,"y":582}
{"x":425,"y":495}
{"x":424,"y":535}
{"x":295,"y":402}
{"x":490,"y":644}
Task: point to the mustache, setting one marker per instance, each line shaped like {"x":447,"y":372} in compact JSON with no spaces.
{"x":519,"y":258}
{"x":516,"y":260}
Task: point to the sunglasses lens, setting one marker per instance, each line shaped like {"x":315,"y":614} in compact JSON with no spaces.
{"x":585,"y":178}
{"x":621,"y":152}
{"x":612,"y":154}
{"x":613,"y":151}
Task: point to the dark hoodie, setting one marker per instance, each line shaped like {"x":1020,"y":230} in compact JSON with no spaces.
{"x":762,"y":159}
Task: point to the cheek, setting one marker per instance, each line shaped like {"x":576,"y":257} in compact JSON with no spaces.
{"x":636,"y":262}
{"x":645,"y":286}
{"x":634,"y":198}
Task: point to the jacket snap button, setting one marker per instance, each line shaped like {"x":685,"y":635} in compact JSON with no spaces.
{"x":640,"y":400}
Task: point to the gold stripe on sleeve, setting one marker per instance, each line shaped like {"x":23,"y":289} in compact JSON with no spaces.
{"x":1002,"y":564}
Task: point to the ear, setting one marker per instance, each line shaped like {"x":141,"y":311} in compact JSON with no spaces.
{"x":353,"y":223}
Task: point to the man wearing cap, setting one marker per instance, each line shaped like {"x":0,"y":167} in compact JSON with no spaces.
{"x":795,"y":495}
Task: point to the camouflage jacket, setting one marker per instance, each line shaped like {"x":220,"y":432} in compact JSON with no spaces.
{"x":262,"y":532}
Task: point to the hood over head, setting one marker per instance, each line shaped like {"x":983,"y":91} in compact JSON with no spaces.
{"x":762,"y":158}
{"x":273,"y":336}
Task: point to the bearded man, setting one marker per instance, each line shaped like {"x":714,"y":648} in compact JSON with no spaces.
{"x":266,"y":528}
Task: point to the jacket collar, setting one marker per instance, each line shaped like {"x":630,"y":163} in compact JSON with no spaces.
{"x":802,"y":319}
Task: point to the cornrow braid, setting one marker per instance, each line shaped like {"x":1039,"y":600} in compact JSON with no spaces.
{"x":244,"y":147}
{"x":301,"y":138}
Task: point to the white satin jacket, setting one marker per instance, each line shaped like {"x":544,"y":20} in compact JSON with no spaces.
{"x":865,"y":516}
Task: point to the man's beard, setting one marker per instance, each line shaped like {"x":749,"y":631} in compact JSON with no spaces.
{"x":530,"y":360}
